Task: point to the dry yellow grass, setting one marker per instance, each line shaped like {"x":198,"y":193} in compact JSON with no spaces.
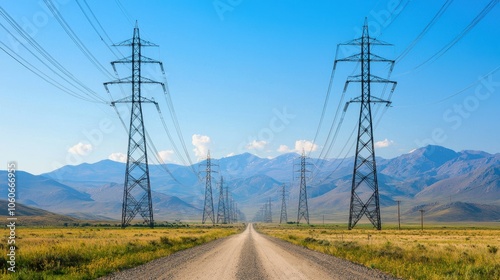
{"x":437,"y":253}
{"x":90,"y":252}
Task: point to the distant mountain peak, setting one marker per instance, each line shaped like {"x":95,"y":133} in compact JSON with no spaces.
{"x":436,"y":154}
{"x":243,"y":156}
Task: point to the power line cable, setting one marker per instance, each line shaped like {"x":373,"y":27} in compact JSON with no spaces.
{"x":124,"y":12}
{"x":419,"y":37}
{"x":49,"y":59}
{"x":43,"y":53}
{"x":30,"y":67}
{"x":457,"y":38}
{"x":108,"y":44}
{"x":81,"y":46}
{"x":471,"y":85}
{"x":173,"y":115}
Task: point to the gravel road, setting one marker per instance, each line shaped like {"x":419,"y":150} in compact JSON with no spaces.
{"x":249,"y":255}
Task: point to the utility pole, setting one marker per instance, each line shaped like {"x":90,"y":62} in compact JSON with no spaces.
{"x":283,"y":215}
{"x":208,"y":206}
{"x":221,"y":207}
{"x":232,"y":215}
{"x":364,"y":191}
{"x":227,"y":216}
{"x":269,"y":212}
{"x":236,"y":216}
{"x":303,"y":211}
{"x":230,"y":210}
{"x":263,"y":213}
{"x":137,"y":187}
{"x":422,"y":219}
{"x":266,"y":212}
{"x":399,"y":217}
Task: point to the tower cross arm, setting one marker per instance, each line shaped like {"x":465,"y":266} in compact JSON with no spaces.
{"x":130,"y":42}
{"x":373,"y":79}
{"x":377,"y":79}
{"x":143,"y":59}
{"x":128,"y":80}
{"x":118,"y":81}
{"x":351,"y":58}
{"x":378,"y":58}
{"x":128,"y":99}
{"x":357,"y":57}
{"x":373,"y":99}
{"x":359,"y":41}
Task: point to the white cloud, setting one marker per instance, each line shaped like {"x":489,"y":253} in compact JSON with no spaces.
{"x":384,"y":143}
{"x":300,"y":145}
{"x":256,"y":145}
{"x":118,"y":157}
{"x":284,"y":149}
{"x":201,"y":144}
{"x":81,"y":149}
{"x":305,"y":145}
{"x":230,"y":154}
{"x":166,"y":155}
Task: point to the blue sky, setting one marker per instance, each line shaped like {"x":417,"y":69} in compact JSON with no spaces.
{"x":249,"y":76}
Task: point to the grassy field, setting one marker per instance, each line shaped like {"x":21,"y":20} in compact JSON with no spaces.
{"x":438,"y":252}
{"x":91,"y":252}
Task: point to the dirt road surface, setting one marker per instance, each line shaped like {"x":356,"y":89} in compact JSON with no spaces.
{"x":249,"y":255}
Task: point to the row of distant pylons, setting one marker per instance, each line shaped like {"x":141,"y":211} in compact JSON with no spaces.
{"x":227,"y":208}
{"x":265,"y":212}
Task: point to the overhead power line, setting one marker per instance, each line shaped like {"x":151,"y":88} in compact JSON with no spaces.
{"x":436,"y":17}
{"x":109,"y":41}
{"x":464,"y":32}
{"x":33,"y":69}
{"x":76,"y":40}
{"x":46,"y":59}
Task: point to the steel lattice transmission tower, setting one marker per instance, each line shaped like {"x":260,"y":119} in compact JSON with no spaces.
{"x":221,"y":207}
{"x":303,"y":211}
{"x":208,"y":205}
{"x":283,"y":216}
{"x":137,"y":188}
{"x":364,"y":191}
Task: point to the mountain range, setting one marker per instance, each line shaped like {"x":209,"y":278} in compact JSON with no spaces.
{"x":451,"y":186}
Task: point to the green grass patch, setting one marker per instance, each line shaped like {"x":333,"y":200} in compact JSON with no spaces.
{"x":439,"y":252}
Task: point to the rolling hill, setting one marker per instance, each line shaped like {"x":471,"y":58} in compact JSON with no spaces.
{"x":34,"y":216}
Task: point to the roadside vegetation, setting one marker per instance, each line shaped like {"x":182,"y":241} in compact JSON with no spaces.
{"x":437,"y":252}
{"x":91,"y":252}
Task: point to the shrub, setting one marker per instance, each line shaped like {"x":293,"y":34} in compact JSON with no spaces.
{"x":346,"y":245}
{"x":390,"y":251}
{"x":310,"y":240}
{"x":492,"y":249}
{"x":166,"y":241}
